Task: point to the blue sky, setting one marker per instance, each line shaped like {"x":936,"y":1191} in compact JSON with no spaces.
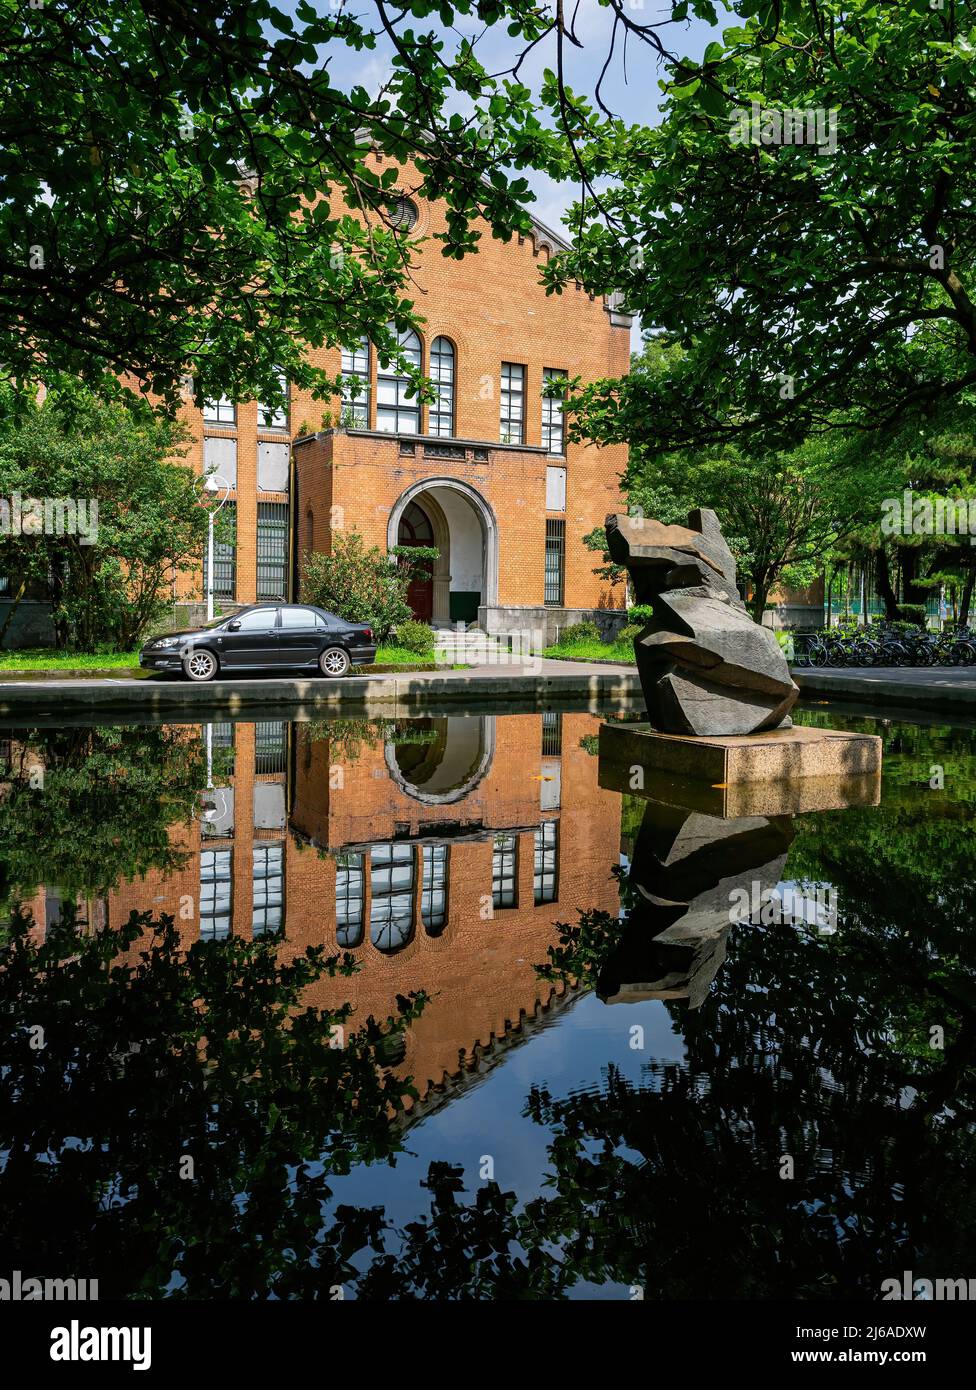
{"x":632,"y":92}
{"x":630,"y":87}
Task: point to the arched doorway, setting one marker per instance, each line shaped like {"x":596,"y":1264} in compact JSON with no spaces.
{"x":416,"y":529}
{"x":444,"y":759}
{"x":454,"y":518}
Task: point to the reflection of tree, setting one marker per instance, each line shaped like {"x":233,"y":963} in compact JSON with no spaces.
{"x":180,"y":1124}
{"x":87,"y":807}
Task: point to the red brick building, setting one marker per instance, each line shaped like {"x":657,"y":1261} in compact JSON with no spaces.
{"x":485,"y":474}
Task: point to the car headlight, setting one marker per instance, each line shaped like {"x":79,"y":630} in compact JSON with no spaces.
{"x":165,"y":642}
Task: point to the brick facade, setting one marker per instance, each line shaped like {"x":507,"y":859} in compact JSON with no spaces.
{"x":493,"y":310}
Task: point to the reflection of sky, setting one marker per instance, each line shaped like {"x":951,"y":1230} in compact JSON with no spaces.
{"x":569,"y":1055}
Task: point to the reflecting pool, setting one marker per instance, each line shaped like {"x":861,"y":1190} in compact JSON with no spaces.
{"x":445,"y":1008}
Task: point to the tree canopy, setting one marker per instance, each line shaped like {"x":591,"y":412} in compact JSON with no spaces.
{"x":817,"y":271}
{"x":150,"y":203}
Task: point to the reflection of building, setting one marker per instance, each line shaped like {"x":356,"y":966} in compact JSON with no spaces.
{"x":439,"y":858}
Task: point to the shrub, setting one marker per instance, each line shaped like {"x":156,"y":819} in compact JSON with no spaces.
{"x":577,"y":633}
{"x":362,"y":586}
{"x":913,"y":613}
{"x":625,"y":637}
{"x":415,"y":637}
{"x":640,"y":613}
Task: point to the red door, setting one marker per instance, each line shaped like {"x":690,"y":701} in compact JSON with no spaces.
{"x":415,"y":529}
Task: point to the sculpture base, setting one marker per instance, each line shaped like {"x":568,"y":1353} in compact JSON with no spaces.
{"x":782,"y":772}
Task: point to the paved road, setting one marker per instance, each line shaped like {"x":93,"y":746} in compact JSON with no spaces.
{"x":927,"y":687}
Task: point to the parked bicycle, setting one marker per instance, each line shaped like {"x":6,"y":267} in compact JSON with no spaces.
{"x":885,"y":645}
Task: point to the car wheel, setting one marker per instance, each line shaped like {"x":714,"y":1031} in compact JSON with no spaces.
{"x":334,"y":661}
{"x":200,"y":666}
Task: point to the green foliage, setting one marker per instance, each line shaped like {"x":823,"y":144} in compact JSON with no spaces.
{"x":912,"y":614}
{"x":158,"y":187}
{"x":640,"y":613}
{"x":143,"y":515}
{"x":85,"y":808}
{"x":364,"y":586}
{"x":625,"y":637}
{"x":814,"y":284}
{"x":416,"y":637}
{"x":156,"y":1052}
{"x":575,"y":633}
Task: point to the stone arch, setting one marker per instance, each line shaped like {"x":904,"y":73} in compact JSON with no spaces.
{"x":425,"y":495}
{"x":456,"y":766}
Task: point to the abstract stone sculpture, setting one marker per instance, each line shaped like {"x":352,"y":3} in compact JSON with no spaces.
{"x":705,"y":667}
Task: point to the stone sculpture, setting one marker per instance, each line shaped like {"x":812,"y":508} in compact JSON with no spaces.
{"x":705,"y":667}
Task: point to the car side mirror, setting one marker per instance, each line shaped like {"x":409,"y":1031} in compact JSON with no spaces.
{"x":234,"y":626}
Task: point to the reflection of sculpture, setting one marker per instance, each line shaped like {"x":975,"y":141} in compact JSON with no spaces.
{"x":686,"y":867}
{"x":705,"y":666}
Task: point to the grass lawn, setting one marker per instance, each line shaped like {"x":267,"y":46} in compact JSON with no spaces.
{"x":44,"y":659}
{"x":594,"y":651}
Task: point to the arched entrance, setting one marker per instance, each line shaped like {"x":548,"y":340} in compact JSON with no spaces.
{"x":445,"y":760}
{"x":454,"y":518}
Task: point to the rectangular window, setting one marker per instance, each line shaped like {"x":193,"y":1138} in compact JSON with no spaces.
{"x":272,"y":466}
{"x":512,"y":404}
{"x":225,"y":553}
{"x":272,"y":544}
{"x":391,"y":896}
{"x":355,"y":386}
{"x":275,"y":417}
{"x":268,"y":880}
{"x":555,"y":563}
{"x":555,"y":489}
{"x":349,"y":900}
{"x":269,"y":746}
{"x":552,"y":733}
{"x":215,"y":894}
{"x":218,"y":744}
{"x":222,"y":411}
{"x":217,"y":813}
{"x":397,"y":406}
{"x":433,"y":897}
{"x":220,"y":458}
{"x":504,"y":858}
{"x":546,"y":854}
{"x":553,"y":420}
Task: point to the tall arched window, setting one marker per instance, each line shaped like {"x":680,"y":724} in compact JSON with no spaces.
{"x":396,"y":412}
{"x":442,"y":375}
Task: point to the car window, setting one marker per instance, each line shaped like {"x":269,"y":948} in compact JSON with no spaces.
{"x":322,"y":621}
{"x":258,"y":620}
{"x":297,"y":617}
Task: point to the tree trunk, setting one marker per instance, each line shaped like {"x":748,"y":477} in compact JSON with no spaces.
{"x":967,"y":594}
{"x":888,"y":595}
{"x":14,"y":605}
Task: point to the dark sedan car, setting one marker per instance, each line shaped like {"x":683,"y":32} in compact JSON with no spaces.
{"x":266,"y":637}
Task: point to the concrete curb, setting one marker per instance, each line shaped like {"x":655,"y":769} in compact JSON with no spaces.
{"x":927,"y":691}
{"x":47,"y":699}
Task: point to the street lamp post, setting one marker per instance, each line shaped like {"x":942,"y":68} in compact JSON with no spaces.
{"x":213,"y":485}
